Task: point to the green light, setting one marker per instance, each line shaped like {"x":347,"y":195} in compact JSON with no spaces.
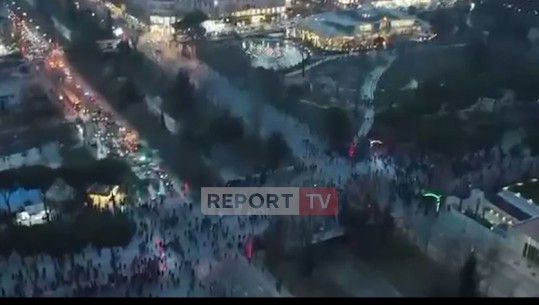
{"x":437,"y":197}
{"x":433,"y":195}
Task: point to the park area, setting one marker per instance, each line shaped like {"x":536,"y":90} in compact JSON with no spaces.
{"x":443,"y":71}
{"x":426,"y":98}
{"x":363,"y":266}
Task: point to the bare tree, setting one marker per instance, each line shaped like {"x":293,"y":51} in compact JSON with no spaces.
{"x":6,"y":194}
{"x":430,"y":221}
{"x":306,"y":231}
{"x":274,"y":240}
{"x":256,"y":115}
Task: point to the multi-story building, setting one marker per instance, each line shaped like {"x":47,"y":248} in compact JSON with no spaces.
{"x":402,"y":3}
{"x":225,"y":8}
{"x":162,"y":12}
{"x":166,"y":12}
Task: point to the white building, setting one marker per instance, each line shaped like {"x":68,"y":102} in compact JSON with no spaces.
{"x":162,"y":12}
{"x":524,"y":239}
{"x":166,"y":12}
{"x":402,"y":3}
{"x":222,"y":8}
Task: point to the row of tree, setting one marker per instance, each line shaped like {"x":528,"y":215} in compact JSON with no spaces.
{"x":101,"y":229}
{"x":269,"y":86}
{"x":106,"y":171}
{"x":445,"y":134}
{"x":206,"y":127}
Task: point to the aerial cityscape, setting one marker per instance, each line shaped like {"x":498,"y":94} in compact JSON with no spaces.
{"x":269,"y":148}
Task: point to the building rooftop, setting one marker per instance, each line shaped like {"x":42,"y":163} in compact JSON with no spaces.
{"x":344,"y":22}
{"x":100,"y":189}
{"x":508,"y":207}
{"x":340,"y":23}
{"x":529,"y":227}
{"x":528,"y":190}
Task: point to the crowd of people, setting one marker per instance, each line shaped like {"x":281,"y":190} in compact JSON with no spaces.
{"x":173,"y":253}
{"x":176,"y":247}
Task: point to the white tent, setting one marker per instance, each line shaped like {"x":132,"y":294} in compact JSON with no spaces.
{"x":33,"y":157}
{"x":51,"y":154}
{"x":101,"y":149}
{"x":60,"y":191}
{"x":32,"y":215}
{"x":4,"y":165}
{"x":152,"y":192}
{"x":16,"y":160}
{"x":162,"y":190}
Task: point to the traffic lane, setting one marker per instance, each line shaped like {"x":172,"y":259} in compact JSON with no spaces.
{"x":110,"y":117}
{"x":107,"y":107}
{"x":89,"y":99}
{"x":75,"y":76}
{"x":37,"y":19}
{"x":92,"y":108}
{"x":36,"y":39}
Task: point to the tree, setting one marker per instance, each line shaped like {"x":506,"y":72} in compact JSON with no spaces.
{"x":70,"y":11}
{"x":237,"y":65}
{"x":126,"y":61}
{"x":478,"y":56}
{"x":8,"y":181}
{"x":273,"y":241}
{"x":191,"y":23}
{"x":108,"y":21}
{"x":532,"y":139}
{"x":307,"y":262}
{"x":277,"y":150}
{"x":43,"y":7}
{"x":181,"y":97}
{"x":490,"y":265}
{"x":295,"y":92}
{"x":109,"y":171}
{"x":226,"y":129}
{"x":270,"y":84}
{"x":443,"y":22}
{"x":6,"y":195}
{"x":469,"y":280}
{"x":388,"y":223}
{"x":338,"y":128}
{"x":129,"y":95}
